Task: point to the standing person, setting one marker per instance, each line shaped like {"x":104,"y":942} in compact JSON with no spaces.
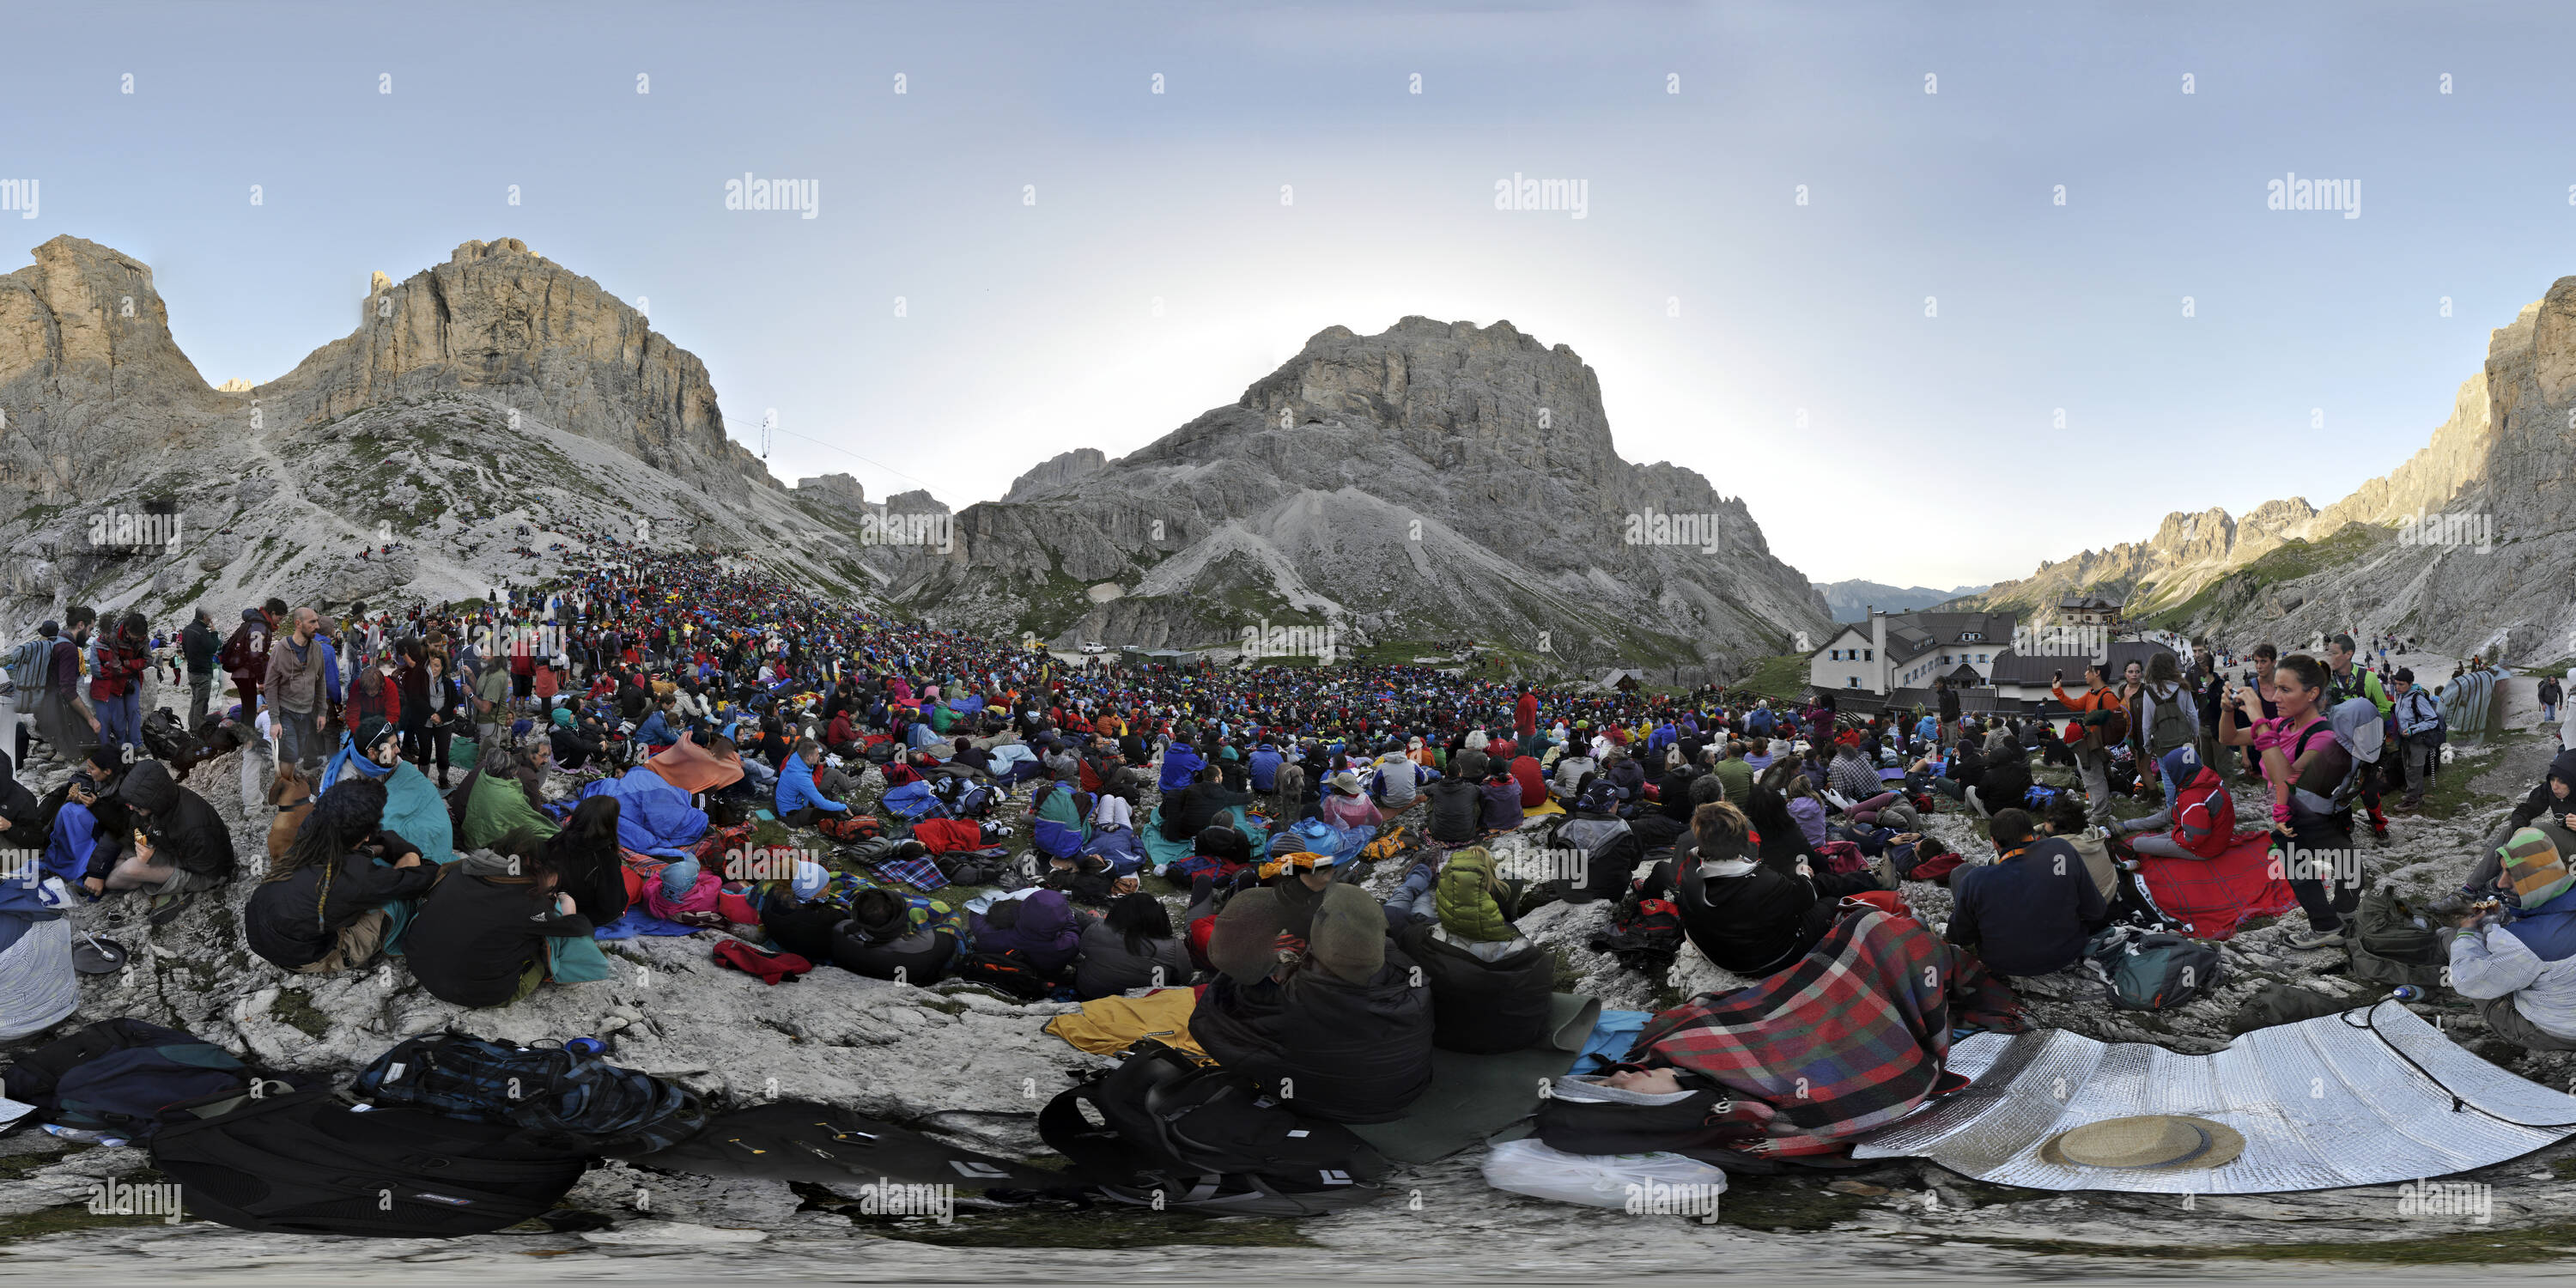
{"x":2345,"y":679}
{"x":2550,"y":696}
{"x":2419,"y":719}
{"x":64,"y":721}
{"x":1948,"y":728}
{"x":1525,"y":713}
{"x":198,"y":644}
{"x":2305,"y":762}
{"x":245,"y":655}
{"x":492,"y":700}
{"x":30,"y":677}
{"x":294,"y":686}
{"x":118,"y":660}
{"x":2094,"y":712}
{"x":2167,"y":718}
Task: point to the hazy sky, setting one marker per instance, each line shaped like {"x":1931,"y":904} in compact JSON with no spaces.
{"x":1032,"y":328}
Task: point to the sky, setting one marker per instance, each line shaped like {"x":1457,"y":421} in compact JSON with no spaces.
{"x":1082,"y":261}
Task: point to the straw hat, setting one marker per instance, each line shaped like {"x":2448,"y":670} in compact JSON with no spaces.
{"x":2146,"y":1142}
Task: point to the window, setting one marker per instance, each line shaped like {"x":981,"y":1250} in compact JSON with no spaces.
{"x":1972,"y":637}
{"x":1945,"y":659}
{"x":1855,"y":681}
{"x":1981,"y":657}
{"x":1866,"y":655}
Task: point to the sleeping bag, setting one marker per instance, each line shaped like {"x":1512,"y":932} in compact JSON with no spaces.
{"x":653,"y":815}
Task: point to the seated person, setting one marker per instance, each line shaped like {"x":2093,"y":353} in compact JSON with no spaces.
{"x":799,"y":803}
{"x":907,"y":939}
{"x":1132,"y":947}
{"x":84,"y":821}
{"x":1746,"y":915}
{"x":179,"y":845}
{"x":574,"y":741}
{"x":1339,"y":1030}
{"x":1345,"y":804}
{"x":1502,"y":799}
{"x":1490,"y":984}
{"x":586,"y":860}
{"x":2551,"y":803}
{"x":1625,"y":774}
{"x":1190,"y":810}
{"x":481,"y":937}
{"x":1299,"y":879}
{"x":2523,"y":999}
{"x":497,"y":798}
{"x":1457,"y":810}
{"x":1399,"y":781}
{"x":1042,"y":926}
{"x":2028,"y":912}
{"x":2066,"y":820}
{"x":321,"y":908}
{"x":1806,"y":807}
{"x":1525,"y":771}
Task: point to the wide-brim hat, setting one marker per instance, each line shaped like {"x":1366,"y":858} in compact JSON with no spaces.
{"x":2146,"y":1142}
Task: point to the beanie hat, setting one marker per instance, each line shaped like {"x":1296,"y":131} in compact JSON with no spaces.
{"x":2534,"y":869}
{"x":807,"y":879}
{"x":1243,"y":944}
{"x":1348,"y":937}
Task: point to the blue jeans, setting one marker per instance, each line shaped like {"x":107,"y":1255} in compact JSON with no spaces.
{"x":1410,"y":902}
{"x":120,"y":721}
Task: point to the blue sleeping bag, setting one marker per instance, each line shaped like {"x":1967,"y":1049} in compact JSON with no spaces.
{"x":911,"y":802}
{"x":653,"y":816}
{"x":1315,"y":836}
{"x":1056,"y":840}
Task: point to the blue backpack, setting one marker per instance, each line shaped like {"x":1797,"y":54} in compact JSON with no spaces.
{"x":132,"y":1093}
{"x":561,"y":1098}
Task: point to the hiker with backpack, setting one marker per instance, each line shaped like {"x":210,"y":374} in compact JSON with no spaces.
{"x":2168,"y":717}
{"x":245,"y":655}
{"x":2308,"y":764}
{"x":2103,"y":722}
{"x":320,"y":910}
{"x":2345,"y":681}
{"x":63,"y":717}
{"x":198,"y":645}
{"x":28,"y":677}
{"x":2421,"y":730}
{"x":117,"y":663}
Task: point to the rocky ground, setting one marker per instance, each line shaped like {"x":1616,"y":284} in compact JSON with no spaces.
{"x":961,"y":1063}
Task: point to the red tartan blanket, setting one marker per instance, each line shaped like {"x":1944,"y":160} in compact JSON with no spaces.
{"x":2218,"y":895}
{"x":1850,"y":1038}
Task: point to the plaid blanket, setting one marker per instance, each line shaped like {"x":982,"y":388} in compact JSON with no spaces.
{"x":920,"y":874}
{"x":1850,"y":1038}
{"x":2218,"y":895}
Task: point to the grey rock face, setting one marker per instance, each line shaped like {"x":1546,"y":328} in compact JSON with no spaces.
{"x":1436,"y":480}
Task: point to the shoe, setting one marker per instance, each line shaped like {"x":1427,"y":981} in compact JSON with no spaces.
{"x":166,"y":908}
{"x":2335,"y":938}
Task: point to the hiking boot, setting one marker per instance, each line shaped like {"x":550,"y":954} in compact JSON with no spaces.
{"x":2335,"y":938}
{"x":167,"y":907}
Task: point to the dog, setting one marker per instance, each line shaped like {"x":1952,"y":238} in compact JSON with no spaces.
{"x":291,"y":792}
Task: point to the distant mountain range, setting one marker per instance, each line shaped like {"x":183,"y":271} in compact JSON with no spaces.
{"x":1852,"y":600}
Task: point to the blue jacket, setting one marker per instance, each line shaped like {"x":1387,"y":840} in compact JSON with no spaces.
{"x":796,"y":789}
{"x":1181,"y":763}
{"x":656,"y":732}
{"x":1265,"y":768}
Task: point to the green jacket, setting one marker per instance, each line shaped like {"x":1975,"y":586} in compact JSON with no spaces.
{"x":1464,"y":898}
{"x":496,"y":809}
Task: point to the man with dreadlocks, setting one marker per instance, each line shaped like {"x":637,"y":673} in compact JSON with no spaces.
{"x":320,"y":909}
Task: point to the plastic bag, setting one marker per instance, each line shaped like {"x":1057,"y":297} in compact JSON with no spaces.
{"x":1596,"y":1180}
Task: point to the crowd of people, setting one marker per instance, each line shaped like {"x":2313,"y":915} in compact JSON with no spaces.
{"x":485,"y":787}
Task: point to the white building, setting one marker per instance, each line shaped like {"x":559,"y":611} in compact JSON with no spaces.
{"x":1893,"y":651}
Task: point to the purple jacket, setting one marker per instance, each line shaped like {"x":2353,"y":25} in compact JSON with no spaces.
{"x":1046,"y":930}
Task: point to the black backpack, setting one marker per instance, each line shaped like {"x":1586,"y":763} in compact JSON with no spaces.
{"x":126,"y":1078}
{"x":567,"y":1100}
{"x":1645,"y":935}
{"x":307,"y":1162}
{"x":1177,"y":1134}
{"x":1008,"y":971}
